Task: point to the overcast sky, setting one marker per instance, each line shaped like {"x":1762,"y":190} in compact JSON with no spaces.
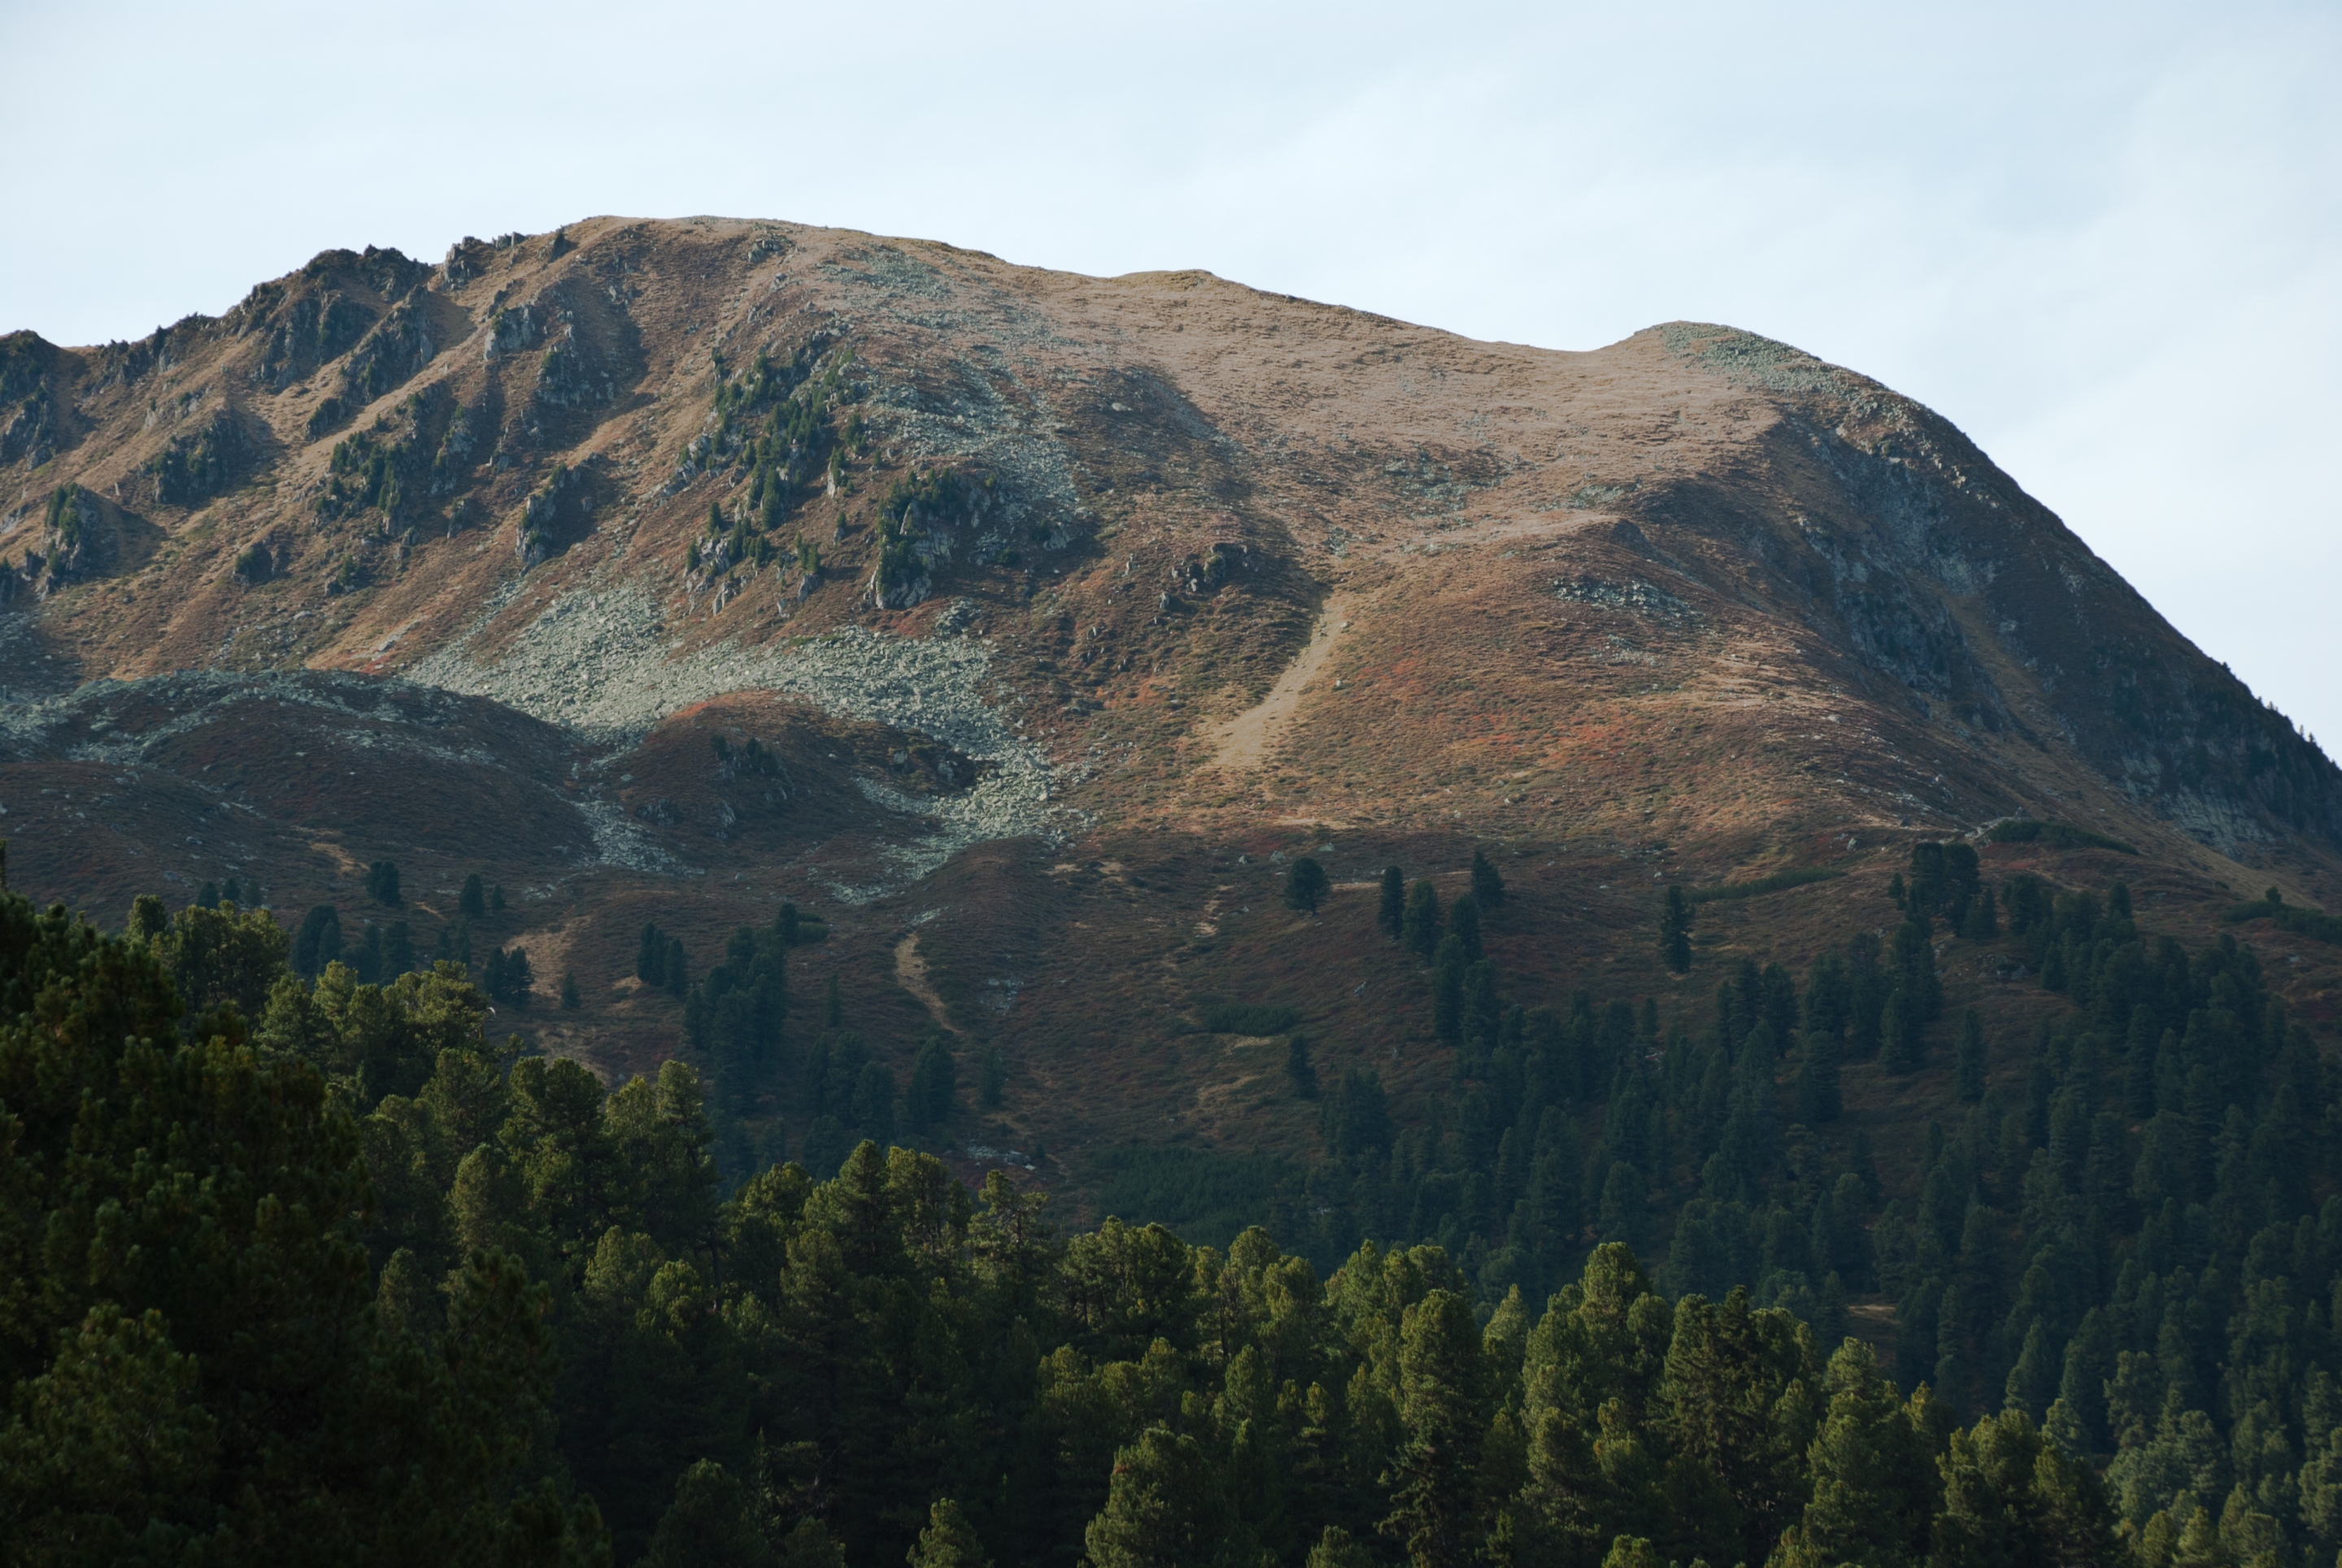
{"x":2105,"y":240}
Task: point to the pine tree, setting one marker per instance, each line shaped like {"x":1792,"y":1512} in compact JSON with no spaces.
{"x":1817,"y":1078}
{"x":933,"y":1081}
{"x":148,"y":918}
{"x":832,"y":1007}
{"x":1970,"y":1068}
{"x":678,"y":975}
{"x":873,"y":1104}
{"x":1391,"y":916}
{"x":1675,"y":932}
{"x":650,"y":957}
{"x":571,"y":1000}
{"x":1437,"y":1472}
{"x":1423,"y":922}
{"x":1448,"y":990}
{"x":318,"y":942}
{"x":1487,"y":886}
{"x":809,"y":1547}
{"x":382,"y":882}
{"x":1299,"y":1070}
{"x":707,"y":1524}
{"x":947,"y":1542}
{"x":1983,"y":923}
{"x":1165,"y":1508}
{"x":1903,"y":1046}
{"x":991,"y":1081}
{"x":1464,"y":925}
{"x":1337,"y":1548}
{"x":1305,"y":884}
{"x":1874,"y":1480}
{"x":398,"y":950}
{"x":473,"y":901}
{"x":496,"y":898}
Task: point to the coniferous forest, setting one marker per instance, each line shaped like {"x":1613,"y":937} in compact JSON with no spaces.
{"x":300,"y":1268}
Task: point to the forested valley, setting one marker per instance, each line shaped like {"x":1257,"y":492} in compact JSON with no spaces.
{"x":299,"y":1268}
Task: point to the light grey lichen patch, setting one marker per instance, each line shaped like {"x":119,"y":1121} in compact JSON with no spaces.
{"x":598,"y":665}
{"x":1754,"y":361}
{"x":1634,"y":596}
{"x":345,"y":710}
{"x":618,"y":841}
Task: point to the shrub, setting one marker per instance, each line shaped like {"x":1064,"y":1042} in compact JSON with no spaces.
{"x":1250,"y":1017}
{"x":2057,"y":835}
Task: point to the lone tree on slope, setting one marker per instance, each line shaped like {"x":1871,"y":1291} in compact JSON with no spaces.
{"x":1306,"y":885}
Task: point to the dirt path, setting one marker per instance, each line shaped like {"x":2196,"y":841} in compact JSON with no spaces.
{"x":911,"y":974}
{"x":1245,"y":741}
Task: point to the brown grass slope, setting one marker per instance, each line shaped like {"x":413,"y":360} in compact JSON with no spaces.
{"x":1258,"y":576}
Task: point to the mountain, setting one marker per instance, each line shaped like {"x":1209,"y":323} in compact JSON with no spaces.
{"x":1484,"y":815}
{"x":1061,"y":612}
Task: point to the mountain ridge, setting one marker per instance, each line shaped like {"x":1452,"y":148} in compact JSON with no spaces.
{"x":1695,"y":598}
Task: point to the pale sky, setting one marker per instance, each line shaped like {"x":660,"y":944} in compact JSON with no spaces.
{"x":2105,"y":240}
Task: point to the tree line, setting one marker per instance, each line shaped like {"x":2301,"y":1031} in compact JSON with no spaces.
{"x":316,"y":1271}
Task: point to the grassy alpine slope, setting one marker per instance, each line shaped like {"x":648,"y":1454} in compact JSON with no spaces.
{"x":899,"y":688}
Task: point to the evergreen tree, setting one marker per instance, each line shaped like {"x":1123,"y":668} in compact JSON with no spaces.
{"x":207,"y":896}
{"x":1902,"y":1044}
{"x":1337,"y":1548}
{"x":318,"y":942}
{"x":496,"y":898}
{"x":398,"y":950}
{"x":947,"y":1542}
{"x":708,"y":1525}
{"x":650,"y":957}
{"x":2008,"y":1496}
{"x":1448,"y":990}
{"x":1675,"y":932}
{"x":1391,"y":915}
{"x":1874,"y":1480}
{"x":571,"y":1000}
{"x":382,"y":882}
{"x":808,"y":1545}
{"x":678,"y":974}
{"x":1983,"y":923}
{"x":473,"y":901}
{"x":1306,"y":884}
{"x":1487,"y":886}
{"x":1435,"y":1476}
{"x":149,"y":920}
{"x":1970,"y":1068}
{"x":992,"y":1079}
{"x":832,"y":1007}
{"x":934,"y":1081}
{"x":873,"y":1104}
{"x":1165,"y":1508}
{"x":1817,"y":1078}
{"x":1464,"y":925}
{"x":1423,"y":922}
{"x":1299,"y":1070}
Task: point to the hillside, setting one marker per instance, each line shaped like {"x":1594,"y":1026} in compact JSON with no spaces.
{"x":901,"y":687}
{"x":1126,"y":587}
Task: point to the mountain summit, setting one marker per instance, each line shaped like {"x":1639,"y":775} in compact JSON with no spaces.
{"x":1020,"y":625}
